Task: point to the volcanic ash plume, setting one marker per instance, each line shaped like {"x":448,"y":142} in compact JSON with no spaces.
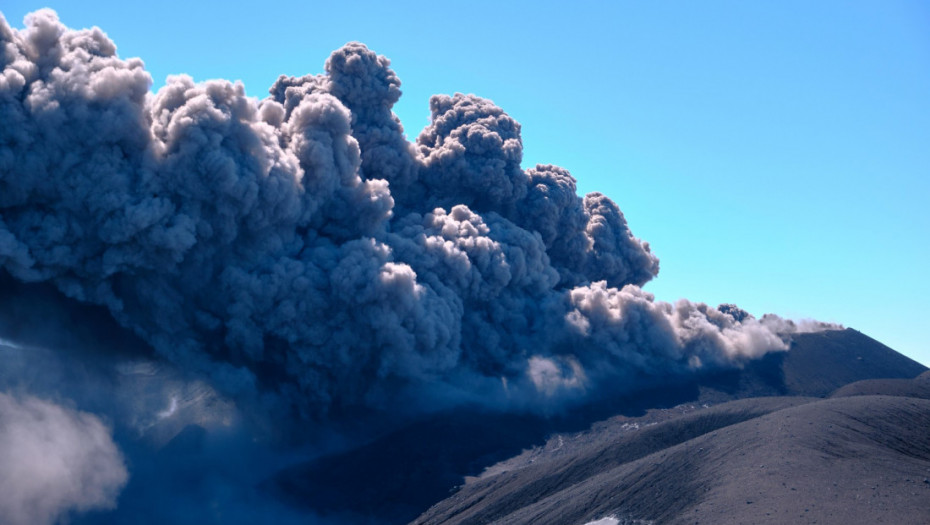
{"x":298,"y":250}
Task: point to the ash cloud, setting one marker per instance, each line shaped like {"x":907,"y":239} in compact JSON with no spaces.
{"x":302,"y":257}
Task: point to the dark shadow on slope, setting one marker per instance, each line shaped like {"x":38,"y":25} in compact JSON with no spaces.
{"x":393,"y":478}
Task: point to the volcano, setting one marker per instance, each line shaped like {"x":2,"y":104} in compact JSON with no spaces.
{"x":216,"y":308}
{"x":832,"y":431}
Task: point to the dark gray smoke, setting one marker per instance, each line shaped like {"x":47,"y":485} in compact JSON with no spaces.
{"x":299,"y":253}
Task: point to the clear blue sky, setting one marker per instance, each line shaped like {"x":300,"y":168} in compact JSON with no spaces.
{"x":776,"y":154}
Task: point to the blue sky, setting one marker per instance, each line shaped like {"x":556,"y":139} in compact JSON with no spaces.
{"x":774,"y":154}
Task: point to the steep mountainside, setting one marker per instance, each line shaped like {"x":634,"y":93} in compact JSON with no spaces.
{"x":390,"y":479}
{"x":862,"y":459}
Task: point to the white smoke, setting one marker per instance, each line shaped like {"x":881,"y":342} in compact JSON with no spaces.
{"x":54,"y":461}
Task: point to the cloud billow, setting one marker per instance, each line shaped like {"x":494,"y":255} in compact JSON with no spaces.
{"x":56,"y":461}
{"x":298,"y":250}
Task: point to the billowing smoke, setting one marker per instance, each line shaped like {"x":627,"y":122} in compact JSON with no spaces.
{"x":193,"y":457}
{"x":299,"y":253}
{"x":55,"y":461}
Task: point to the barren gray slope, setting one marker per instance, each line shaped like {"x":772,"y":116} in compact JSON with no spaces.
{"x":399,"y":475}
{"x":577,"y":458}
{"x":889,"y":387}
{"x":816,"y":364}
{"x":857,"y":459}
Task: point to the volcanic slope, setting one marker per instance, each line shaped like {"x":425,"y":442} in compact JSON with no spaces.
{"x":862,"y":456}
{"x":401,"y":474}
{"x":816,"y":364}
